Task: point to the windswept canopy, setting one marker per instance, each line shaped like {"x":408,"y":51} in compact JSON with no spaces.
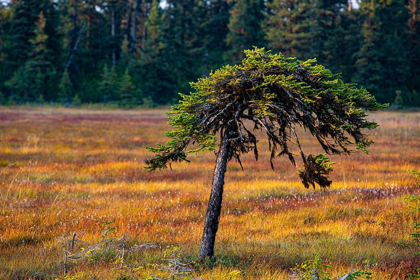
{"x":276,"y":94}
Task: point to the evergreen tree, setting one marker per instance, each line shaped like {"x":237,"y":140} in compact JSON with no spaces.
{"x":125,"y":60}
{"x":2,"y":99}
{"x":85,"y":29}
{"x":412,"y":96}
{"x":5,"y":22}
{"x":291,"y":27}
{"x":276,"y":95}
{"x":109,"y":86}
{"x":20,"y":85}
{"x":126,"y":91}
{"x":36,"y":77}
{"x":381,"y":60}
{"x":75,"y":101}
{"x":65,"y":89}
{"x":113,"y":14}
{"x":328,"y":41}
{"x":153,"y":71}
{"x":54,"y":38}
{"x":25,"y":14}
{"x":40,"y":61}
{"x":215,"y":30}
{"x":39,"y":42}
{"x":22,"y":30}
{"x":346,"y":50}
{"x":245,"y":29}
{"x":183,"y":38}
{"x":166,"y":46}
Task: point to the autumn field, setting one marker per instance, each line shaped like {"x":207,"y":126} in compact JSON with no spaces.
{"x":66,"y":171}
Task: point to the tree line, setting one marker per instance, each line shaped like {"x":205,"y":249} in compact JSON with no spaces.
{"x":143,"y":52}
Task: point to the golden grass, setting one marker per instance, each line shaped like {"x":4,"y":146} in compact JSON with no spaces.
{"x":70,"y":170}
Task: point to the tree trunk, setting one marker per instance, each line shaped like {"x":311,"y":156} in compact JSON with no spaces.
{"x":144,"y":33}
{"x":133,"y":43}
{"x":214,"y":207}
{"x":114,"y":55}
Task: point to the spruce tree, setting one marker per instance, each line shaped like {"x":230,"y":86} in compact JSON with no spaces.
{"x":5,"y":22}
{"x":154,"y":74}
{"x":184,"y":39}
{"x":25,"y":14}
{"x":412,"y":96}
{"x":113,"y":15}
{"x":126,"y":91}
{"x":381,"y":60}
{"x":308,"y":29}
{"x":2,"y":99}
{"x":40,"y":63}
{"x":245,"y":29}
{"x":215,"y":30}
{"x":291,"y":28}
{"x":109,"y":85}
{"x":329,"y":44}
{"x":22,"y":30}
{"x":85,"y":44}
{"x":65,"y":89}
{"x":36,"y":77}
{"x":277,"y":95}
{"x":20,"y":85}
{"x":345,"y":50}
{"x":125,"y":60}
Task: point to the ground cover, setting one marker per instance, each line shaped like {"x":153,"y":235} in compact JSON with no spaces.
{"x":65,"y":171}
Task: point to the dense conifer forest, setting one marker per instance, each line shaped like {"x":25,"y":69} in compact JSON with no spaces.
{"x":142,"y":53}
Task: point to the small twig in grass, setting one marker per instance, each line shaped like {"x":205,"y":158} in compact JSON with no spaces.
{"x":72,"y":240}
{"x":144,"y":247}
{"x":123,"y":251}
{"x":347,"y":275}
{"x":65,"y":262}
{"x":316,"y":275}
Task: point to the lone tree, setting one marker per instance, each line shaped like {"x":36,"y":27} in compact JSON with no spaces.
{"x":273,"y":93}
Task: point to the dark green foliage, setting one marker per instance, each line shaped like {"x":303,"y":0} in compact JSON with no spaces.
{"x":215,"y":30}
{"x":290,"y":27}
{"x":36,"y":76}
{"x":316,"y":170}
{"x":125,"y":60}
{"x":329,"y":42}
{"x":412,"y":95}
{"x":382,"y":59}
{"x":113,"y":35}
{"x":25,"y":14}
{"x":5,"y":22}
{"x":19,"y":85}
{"x":32,"y":51}
{"x":244,"y":28}
{"x":182,"y":23}
{"x":41,"y":66}
{"x":22,"y":31}
{"x":275,"y":94}
{"x":346,"y":44}
{"x":109,"y":86}
{"x":75,"y":101}
{"x":154,"y":73}
{"x":309,"y":29}
{"x":126,"y":91}
{"x":164,"y":45}
{"x":65,"y":89}
{"x":2,"y":99}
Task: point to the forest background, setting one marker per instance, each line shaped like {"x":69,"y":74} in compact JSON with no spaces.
{"x":131,"y":53}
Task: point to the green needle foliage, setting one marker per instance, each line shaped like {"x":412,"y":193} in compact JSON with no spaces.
{"x":276,"y":94}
